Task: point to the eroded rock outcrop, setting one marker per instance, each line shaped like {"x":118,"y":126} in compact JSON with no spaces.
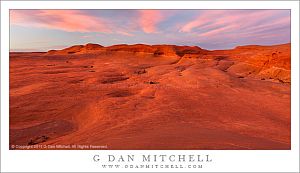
{"x":265,"y":62}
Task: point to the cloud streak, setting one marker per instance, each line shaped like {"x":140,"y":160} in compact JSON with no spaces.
{"x":213,"y":23}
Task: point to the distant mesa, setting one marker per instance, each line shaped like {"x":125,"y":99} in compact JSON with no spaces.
{"x":91,"y":46}
{"x":157,"y":50}
{"x":76,"y":49}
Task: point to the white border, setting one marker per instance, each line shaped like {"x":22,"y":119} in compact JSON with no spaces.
{"x":76,"y":161}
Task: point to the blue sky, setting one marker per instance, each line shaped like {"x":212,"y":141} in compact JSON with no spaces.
{"x":41,"y":30}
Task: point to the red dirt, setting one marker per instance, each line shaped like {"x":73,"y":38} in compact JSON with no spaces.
{"x":152,"y":97}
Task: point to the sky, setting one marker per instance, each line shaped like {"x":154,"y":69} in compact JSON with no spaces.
{"x":42,"y":30}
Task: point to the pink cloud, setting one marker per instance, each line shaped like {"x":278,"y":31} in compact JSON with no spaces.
{"x":149,"y":19}
{"x":66,"y":20}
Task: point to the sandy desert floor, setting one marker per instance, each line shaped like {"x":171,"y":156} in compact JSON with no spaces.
{"x":145,"y":97}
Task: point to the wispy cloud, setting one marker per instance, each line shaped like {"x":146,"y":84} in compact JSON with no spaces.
{"x":149,"y":19}
{"x":219,"y":23}
{"x":66,"y":20}
{"x":203,"y":19}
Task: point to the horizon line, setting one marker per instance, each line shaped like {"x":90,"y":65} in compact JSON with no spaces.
{"x":40,"y":51}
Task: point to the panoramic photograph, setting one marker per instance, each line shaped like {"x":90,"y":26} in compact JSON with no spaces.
{"x":150,"y":80}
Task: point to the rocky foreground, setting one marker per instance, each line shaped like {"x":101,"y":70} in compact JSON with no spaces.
{"x":152,"y":97}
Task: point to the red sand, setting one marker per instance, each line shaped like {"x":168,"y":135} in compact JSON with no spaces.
{"x":152,"y":97}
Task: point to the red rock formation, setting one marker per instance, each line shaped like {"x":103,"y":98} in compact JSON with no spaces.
{"x":152,"y":97}
{"x":265,"y":62}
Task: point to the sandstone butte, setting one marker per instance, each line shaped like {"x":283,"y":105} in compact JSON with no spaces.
{"x":152,"y":97}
